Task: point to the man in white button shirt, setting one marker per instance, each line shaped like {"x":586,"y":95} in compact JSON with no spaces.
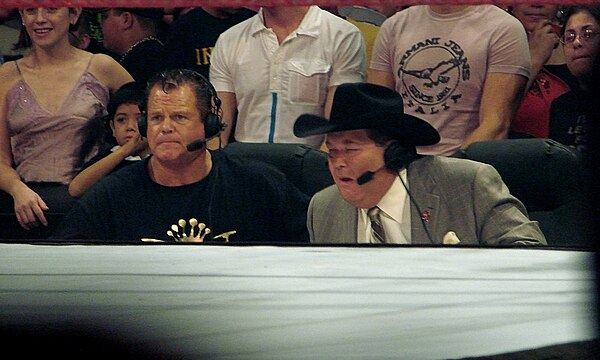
{"x":423,"y":199}
{"x":280,"y":63}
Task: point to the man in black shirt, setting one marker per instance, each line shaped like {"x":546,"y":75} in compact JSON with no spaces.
{"x":192,"y":37}
{"x":132,"y":34}
{"x":184,"y":192}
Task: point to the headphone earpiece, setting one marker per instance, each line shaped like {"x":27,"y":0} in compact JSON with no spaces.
{"x":213,"y":125}
{"x":396,"y":156}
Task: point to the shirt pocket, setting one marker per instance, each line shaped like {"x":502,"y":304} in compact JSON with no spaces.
{"x":308,"y":81}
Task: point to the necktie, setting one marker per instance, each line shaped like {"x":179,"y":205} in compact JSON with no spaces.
{"x":376,"y":225}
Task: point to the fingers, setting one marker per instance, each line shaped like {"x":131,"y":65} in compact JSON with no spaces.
{"x":39,"y":212}
{"x":30,"y":216}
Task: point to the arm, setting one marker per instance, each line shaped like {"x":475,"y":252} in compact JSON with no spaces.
{"x":503,"y":217}
{"x":110,"y":72}
{"x":327,"y":111}
{"x":508,"y":70}
{"x":380,"y":70}
{"x":502,"y":94}
{"x":29,"y":206}
{"x":229,"y":114}
{"x":542,"y":42}
{"x":221,"y":78}
{"x":92,"y":174}
{"x":382,"y":78}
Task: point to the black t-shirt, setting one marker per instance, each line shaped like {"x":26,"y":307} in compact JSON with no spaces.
{"x":569,"y":119}
{"x":144,"y":60}
{"x":252,"y":198}
{"x":192,"y":37}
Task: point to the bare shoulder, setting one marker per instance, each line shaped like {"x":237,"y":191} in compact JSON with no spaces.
{"x":9,"y":75}
{"x":109,"y":71}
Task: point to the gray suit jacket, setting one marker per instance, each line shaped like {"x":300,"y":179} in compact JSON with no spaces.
{"x":463,"y":196}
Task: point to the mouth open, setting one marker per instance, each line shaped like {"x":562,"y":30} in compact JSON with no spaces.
{"x":345,"y":180}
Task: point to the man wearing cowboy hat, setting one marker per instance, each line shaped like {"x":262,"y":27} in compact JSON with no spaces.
{"x":385,"y":192}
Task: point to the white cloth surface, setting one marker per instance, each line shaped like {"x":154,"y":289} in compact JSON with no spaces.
{"x":307,"y":302}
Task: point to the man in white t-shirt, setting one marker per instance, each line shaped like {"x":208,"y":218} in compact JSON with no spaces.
{"x":283,"y":62}
{"x":462,"y":68}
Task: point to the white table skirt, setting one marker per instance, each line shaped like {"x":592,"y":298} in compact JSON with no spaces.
{"x":306,"y":302}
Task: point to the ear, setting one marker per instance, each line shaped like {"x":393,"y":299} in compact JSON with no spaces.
{"x":74,"y":14}
{"x":127,"y":19}
{"x":84,"y":41}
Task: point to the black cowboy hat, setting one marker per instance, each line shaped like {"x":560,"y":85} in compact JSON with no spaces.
{"x":369,"y":106}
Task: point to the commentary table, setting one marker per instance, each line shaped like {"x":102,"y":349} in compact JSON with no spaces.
{"x":309,"y":302}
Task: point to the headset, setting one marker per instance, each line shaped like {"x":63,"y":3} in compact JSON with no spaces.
{"x":213,"y":125}
{"x":395,"y":157}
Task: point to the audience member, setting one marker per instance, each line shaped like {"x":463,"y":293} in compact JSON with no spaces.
{"x":385,"y":193}
{"x":550,"y":76}
{"x":182,"y":190}
{"x":87,"y":34}
{"x":132,"y":33}
{"x":80,"y":35}
{"x":570,"y":113}
{"x":461,"y":68}
{"x":51,"y":102}
{"x":282,"y":62}
{"x":124,"y":109}
{"x":192,"y":36}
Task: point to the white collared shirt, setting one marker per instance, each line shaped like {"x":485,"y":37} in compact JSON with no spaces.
{"x":395,"y":215}
{"x":275,"y":83}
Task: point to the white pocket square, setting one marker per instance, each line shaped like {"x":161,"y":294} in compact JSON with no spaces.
{"x":450,"y":238}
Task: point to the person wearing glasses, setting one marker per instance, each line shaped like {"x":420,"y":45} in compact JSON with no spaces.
{"x":51,"y":105}
{"x":570,"y":113}
{"x":550,"y":76}
{"x":184,"y":192}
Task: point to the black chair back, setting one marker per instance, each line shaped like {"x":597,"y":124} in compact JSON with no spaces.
{"x":549,"y":179}
{"x":304,"y":166}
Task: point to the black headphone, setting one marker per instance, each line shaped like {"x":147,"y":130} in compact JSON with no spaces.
{"x":396,"y":156}
{"x":213,"y":125}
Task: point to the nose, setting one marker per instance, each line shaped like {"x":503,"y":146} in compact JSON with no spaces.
{"x":577,"y":42}
{"x":166,"y":126}
{"x":132,"y":124}
{"x":337,"y":162}
{"x":40,"y":15}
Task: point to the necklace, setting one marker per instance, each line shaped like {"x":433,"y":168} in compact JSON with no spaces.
{"x":147,"y":38}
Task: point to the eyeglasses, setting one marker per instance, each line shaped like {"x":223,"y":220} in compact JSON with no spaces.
{"x":585,"y":36}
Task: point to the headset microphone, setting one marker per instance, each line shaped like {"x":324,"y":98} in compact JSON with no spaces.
{"x":196,"y":145}
{"x":368,"y":176}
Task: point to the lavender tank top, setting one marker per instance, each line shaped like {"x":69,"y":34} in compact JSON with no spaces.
{"x":52,"y":147}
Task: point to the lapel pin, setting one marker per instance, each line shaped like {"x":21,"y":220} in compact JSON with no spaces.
{"x":426,"y":216}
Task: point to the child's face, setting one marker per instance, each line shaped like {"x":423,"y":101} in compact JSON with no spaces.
{"x":124,"y":125}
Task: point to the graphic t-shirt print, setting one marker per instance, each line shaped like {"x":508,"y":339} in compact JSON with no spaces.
{"x":430,"y":72}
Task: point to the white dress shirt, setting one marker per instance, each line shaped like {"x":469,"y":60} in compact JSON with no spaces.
{"x":395,"y":215}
